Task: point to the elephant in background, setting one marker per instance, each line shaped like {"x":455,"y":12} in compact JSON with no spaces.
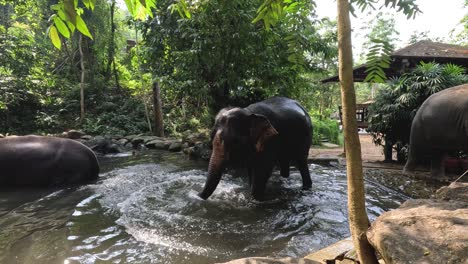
{"x":276,"y":131}
{"x":45,"y":161}
{"x":439,"y":126}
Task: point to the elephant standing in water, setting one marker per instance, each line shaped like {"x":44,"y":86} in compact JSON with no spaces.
{"x":268,"y":133}
{"x":440,"y":126}
{"x":45,"y":161}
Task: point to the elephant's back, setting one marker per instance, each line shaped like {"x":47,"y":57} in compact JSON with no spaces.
{"x":290,"y":119}
{"x":444,"y":115}
{"x":36,"y":160}
{"x":283,"y":110}
{"x":450,"y":98}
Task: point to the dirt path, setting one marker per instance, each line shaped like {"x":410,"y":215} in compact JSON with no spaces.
{"x":370,"y":152}
{"x":372,"y":155}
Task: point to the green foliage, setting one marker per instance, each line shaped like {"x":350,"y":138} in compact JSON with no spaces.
{"x":219,"y":58}
{"x":407,"y":7}
{"x":38,"y":84}
{"x":325,"y":129}
{"x":68,"y":16}
{"x":391,"y":114}
{"x":377,"y":60}
{"x":379,"y":45}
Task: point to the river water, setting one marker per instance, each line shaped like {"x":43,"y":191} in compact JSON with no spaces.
{"x":145,"y":209}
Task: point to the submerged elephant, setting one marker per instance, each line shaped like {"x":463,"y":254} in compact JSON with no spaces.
{"x":440,"y":126}
{"x":45,"y":161}
{"x":268,"y":133}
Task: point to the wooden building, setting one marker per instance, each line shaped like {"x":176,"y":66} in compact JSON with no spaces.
{"x":406,"y":59}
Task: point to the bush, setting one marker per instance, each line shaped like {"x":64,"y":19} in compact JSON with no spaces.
{"x":326,"y":129}
{"x":394,"y":107}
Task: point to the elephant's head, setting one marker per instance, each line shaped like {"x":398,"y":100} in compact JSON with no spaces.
{"x":237,"y":136}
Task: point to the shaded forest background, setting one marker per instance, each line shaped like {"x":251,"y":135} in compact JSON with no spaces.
{"x":216,"y":58}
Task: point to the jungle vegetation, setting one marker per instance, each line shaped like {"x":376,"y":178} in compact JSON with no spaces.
{"x":218,"y":57}
{"x":203,"y":56}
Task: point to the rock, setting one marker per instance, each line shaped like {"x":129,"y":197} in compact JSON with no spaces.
{"x":258,"y":260}
{"x":122,"y":141}
{"x":103,"y":145}
{"x":158,"y":144}
{"x":116,"y":137}
{"x":199,"y":151}
{"x":343,"y":249}
{"x":99,"y":138}
{"x":192,"y":139}
{"x":457,"y":191}
{"x":422,"y":231}
{"x":144,"y":139}
{"x":175,"y":146}
{"x":74,"y":134}
{"x":2,"y":136}
{"x":131,"y":137}
{"x":137,"y":141}
{"x":86,"y":137}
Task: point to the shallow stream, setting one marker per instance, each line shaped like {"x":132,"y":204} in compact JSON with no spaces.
{"x":145,"y":209}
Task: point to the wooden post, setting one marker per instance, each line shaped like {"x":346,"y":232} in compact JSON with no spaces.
{"x":158,"y":117}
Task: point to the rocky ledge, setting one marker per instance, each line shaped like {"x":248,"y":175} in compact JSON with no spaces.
{"x":195,"y":145}
{"x":425,"y":230}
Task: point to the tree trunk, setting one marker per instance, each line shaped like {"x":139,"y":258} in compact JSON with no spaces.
{"x":158,"y":117}
{"x":82,"y":102}
{"x":147,"y":114}
{"x":358,"y":220}
{"x":110,"y":51}
{"x":388,"y":149}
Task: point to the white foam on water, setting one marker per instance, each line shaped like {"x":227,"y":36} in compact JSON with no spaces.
{"x":159,"y":205}
{"x":153,"y":237}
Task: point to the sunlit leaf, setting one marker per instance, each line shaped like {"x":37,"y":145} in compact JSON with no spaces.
{"x":71,"y":27}
{"x":62,"y":28}
{"x":81,"y":26}
{"x":130,"y":7}
{"x":54,"y":36}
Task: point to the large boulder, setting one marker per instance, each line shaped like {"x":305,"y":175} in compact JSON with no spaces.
{"x":158,"y":144}
{"x":457,"y":191}
{"x":422,"y":231}
{"x":199,"y":151}
{"x":144,"y":140}
{"x":175,"y":146}
{"x":102,"y":145}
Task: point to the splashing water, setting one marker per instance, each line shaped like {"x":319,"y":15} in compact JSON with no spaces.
{"x":149,"y":212}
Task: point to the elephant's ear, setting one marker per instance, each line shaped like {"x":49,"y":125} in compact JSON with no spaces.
{"x":261,"y":131}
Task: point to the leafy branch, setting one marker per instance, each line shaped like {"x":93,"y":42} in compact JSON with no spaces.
{"x":68,"y":13}
{"x":378,"y":59}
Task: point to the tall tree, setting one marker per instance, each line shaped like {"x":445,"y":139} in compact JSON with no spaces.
{"x":158,"y":115}
{"x":358,"y":220}
{"x":82,"y":79}
{"x":111,"y":48}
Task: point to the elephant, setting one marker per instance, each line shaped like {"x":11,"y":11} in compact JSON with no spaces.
{"x":440,"y":126}
{"x":276,"y":131}
{"x":45,"y":161}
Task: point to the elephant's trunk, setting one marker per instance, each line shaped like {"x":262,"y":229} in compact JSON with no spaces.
{"x":215,"y":168}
